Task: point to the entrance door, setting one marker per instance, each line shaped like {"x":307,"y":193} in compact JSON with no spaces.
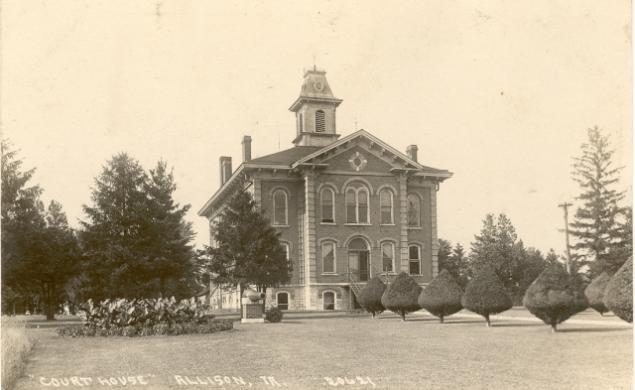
{"x":329,"y":300}
{"x":363,"y":266}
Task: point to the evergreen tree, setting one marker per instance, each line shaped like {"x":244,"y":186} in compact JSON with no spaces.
{"x":442,"y":297}
{"x":370,"y":296}
{"x":39,"y":250}
{"x":495,"y":247}
{"x":595,"y":226}
{"x":454,"y":261}
{"x":618,"y":296}
{"x":402,"y":295}
{"x":595,"y":292}
{"x":136,"y":241}
{"x":167,"y":249}
{"x":112,"y":236}
{"x":555,"y":296}
{"x":247,"y":249}
{"x":485,"y":294}
{"x":22,"y":223}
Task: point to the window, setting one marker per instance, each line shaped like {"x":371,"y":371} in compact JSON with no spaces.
{"x":329,"y":300}
{"x":385,"y":205}
{"x":283,"y":300}
{"x":320,"y":125}
{"x":286,"y":249}
{"x":414,"y":210}
{"x":327,"y":198}
{"x":414,"y":256}
{"x":279,"y":207}
{"x":328,"y":257}
{"x":388,"y":256}
{"x":357,"y":205}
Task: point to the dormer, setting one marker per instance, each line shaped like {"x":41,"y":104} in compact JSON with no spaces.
{"x":315,"y":111}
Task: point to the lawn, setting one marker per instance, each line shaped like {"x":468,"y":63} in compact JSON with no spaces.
{"x":305,"y":352}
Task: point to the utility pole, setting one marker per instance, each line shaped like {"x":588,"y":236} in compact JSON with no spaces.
{"x":565,"y":207}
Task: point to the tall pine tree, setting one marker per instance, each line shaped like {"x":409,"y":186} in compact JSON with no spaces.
{"x":136,"y":241}
{"x":596,"y":220}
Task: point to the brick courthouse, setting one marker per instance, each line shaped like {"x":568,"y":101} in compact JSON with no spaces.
{"x":347,"y":208}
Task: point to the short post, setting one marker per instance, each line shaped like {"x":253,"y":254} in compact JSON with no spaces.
{"x":252,"y":307}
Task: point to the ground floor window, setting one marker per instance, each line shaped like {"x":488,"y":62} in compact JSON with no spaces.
{"x":329,"y":300}
{"x":283,"y":300}
{"x":414,"y":256}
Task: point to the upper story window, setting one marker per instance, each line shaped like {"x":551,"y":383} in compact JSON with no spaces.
{"x":328,"y":257}
{"x":414,"y":210}
{"x":388,"y":256}
{"x":327,"y":201}
{"x":414,"y":259}
{"x":320,"y":121}
{"x":386,"y":206}
{"x":356,"y":199}
{"x":280,"y":208}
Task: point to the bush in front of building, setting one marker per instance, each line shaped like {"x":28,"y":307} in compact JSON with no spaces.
{"x":402,"y":295}
{"x":618,"y":296}
{"x":370,"y":296}
{"x":175,"y":329}
{"x":555,"y":296}
{"x":595,"y":292}
{"x":486,"y":295}
{"x":273,"y":314}
{"x":442,"y":297}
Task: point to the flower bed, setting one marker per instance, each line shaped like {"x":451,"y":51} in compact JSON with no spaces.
{"x":213,"y":326}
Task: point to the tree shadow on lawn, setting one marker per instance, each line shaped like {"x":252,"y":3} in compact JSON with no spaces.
{"x":515,"y":324}
{"x":584,"y":330}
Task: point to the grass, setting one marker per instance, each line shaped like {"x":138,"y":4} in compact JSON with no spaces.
{"x":303,"y":350}
{"x":15,"y":346}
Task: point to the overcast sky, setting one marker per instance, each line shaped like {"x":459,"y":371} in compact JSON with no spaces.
{"x":499,"y":92}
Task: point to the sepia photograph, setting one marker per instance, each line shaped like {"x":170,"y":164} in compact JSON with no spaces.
{"x":316,"y":194}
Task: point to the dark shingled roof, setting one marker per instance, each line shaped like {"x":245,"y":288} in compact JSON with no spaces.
{"x":286,"y":157}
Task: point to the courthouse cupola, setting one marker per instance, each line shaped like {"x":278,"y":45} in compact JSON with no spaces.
{"x":315,"y":111}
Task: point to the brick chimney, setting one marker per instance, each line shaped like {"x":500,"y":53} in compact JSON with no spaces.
{"x":246,"y":148}
{"x":225,"y":164}
{"x":411,"y":151}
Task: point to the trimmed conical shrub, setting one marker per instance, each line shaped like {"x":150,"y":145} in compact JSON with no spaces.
{"x":442,"y":297}
{"x":402,"y":295}
{"x":595,"y":292}
{"x":370,"y":296}
{"x":486,"y":295}
{"x":618,"y":296}
{"x":555,"y":296}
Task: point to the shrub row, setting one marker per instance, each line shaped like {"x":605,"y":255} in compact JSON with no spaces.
{"x":553,"y":297}
{"x":157,"y":329}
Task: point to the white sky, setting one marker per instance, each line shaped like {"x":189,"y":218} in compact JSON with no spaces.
{"x":498,"y":92}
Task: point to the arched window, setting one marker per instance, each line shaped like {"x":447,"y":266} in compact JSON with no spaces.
{"x":414,"y":259}
{"x":357,"y":210}
{"x":327,"y":199}
{"x":388,"y":257}
{"x":328,"y":297}
{"x":414,"y":210}
{"x":279,"y":207}
{"x":328,"y":257}
{"x":385,"y":205}
{"x":351,"y":206}
{"x":283,"y":300}
{"x":320,"y":124}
